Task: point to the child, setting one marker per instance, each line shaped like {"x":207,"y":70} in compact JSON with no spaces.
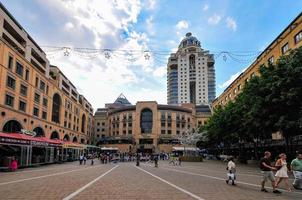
{"x":231,"y":171}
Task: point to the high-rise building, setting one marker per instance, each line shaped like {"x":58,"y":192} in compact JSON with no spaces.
{"x":191,"y":74}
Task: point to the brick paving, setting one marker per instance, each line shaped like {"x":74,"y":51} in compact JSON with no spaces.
{"x":205,"y":180}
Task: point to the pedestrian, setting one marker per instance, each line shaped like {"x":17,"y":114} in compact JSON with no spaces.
{"x":266,"y":171}
{"x":281,"y":174}
{"x":231,"y":168}
{"x":14,"y":165}
{"x":92,"y":161}
{"x":84,"y":159}
{"x":296,"y":166}
{"x":81,"y":159}
{"x":155,"y":160}
{"x":179,"y":160}
{"x":137,"y":159}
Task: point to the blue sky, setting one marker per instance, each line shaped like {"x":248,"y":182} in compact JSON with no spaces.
{"x":240,"y":27}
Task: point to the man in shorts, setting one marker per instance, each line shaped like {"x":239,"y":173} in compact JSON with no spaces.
{"x":267,"y":173}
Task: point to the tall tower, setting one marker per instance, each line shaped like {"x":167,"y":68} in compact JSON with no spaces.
{"x":191,"y":74}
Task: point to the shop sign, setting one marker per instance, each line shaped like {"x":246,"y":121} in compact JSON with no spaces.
{"x":13,"y":141}
{"x":38,"y":143}
{"x":27,"y":132}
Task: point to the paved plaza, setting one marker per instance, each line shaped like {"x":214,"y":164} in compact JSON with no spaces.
{"x":126,"y":181}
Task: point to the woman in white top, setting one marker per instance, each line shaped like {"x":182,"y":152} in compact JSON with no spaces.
{"x":282,"y":171}
{"x":231,"y":176}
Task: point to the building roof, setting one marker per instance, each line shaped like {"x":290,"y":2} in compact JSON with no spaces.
{"x":189,"y":40}
{"x":203,"y":109}
{"x":122,"y":100}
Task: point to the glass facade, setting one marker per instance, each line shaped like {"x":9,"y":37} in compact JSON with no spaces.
{"x":146,"y":121}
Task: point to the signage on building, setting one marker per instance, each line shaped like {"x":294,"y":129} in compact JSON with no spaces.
{"x":27,"y":132}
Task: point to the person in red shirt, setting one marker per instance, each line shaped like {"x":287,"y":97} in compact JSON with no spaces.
{"x":14,"y":165}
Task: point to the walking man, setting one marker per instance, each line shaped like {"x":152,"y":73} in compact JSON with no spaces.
{"x":296,"y":166}
{"x":266,"y":171}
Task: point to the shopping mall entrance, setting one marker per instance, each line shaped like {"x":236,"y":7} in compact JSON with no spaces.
{"x":145,"y":146}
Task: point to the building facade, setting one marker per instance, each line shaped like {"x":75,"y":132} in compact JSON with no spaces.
{"x":290,"y":38}
{"x":36,"y":96}
{"x":147,"y":125}
{"x":190,"y":74}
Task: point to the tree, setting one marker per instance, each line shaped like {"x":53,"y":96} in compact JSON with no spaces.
{"x":268,"y":103}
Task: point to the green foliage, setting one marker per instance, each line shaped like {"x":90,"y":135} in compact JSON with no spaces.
{"x":268,"y":103}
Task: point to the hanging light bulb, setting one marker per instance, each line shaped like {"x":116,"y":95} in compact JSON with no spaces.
{"x":107,"y":54}
{"x":66,"y":51}
{"x":147,"y":55}
{"x":224,"y":58}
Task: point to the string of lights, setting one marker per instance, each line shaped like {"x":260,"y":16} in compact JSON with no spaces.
{"x":134,"y":55}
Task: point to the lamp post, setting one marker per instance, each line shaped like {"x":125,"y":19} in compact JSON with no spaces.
{"x":256,"y":140}
{"x":241,"y":141}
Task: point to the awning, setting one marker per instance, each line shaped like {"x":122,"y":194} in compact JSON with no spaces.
{"x":109,"y":149}
{"x":92,"y":146}
{"x":72,"y":145}
{"x":185,"y":148}
{"x":22,"y":139}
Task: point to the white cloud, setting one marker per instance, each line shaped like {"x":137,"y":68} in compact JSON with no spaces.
{"x":107,"y":24}
{"x":214,"y":19}
{"x":231,"y":79}
{"x":205,"y":7}
{"x":147,"y":94}
{"x":231,"y":23}
{"x":69,"y":26}
{"x":183,"y":24}
{"x":150,"y":4}
{"x":150,"y":25}
{"x":160,"y":71}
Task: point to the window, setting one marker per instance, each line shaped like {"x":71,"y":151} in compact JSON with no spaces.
{"x":37,"y":82}
{"x":56,"y":107}
{"x":98,"y":123}
{"x":124,"y":132}
{"x":26,"y":74}
{"x":271,"y":60}
{"x":146,"y":121}
{"x":36,"y":112}
{"x":42,"y":86}
{"x":169,"y":132}
{"x":44,"y":115}
{"x":103,"y":129}
{"x":103,"y":123}
{"x":19,"y":69}
{"x":45,"y":102}
{"x":23,"y":90}
{"x":22,"y":106}
{"x":129,"y":131}
{"x":163,"y":131}
{"x":9,"y":100}
{"x":10,"y":82}
{"x":129,"y":124}
{"x":298,"y":37}
{"x":285,"y":48}
{"x":10,"y":62}
{"x":37,"y":98}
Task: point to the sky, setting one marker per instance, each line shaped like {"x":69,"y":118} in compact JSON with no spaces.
{"x":140,"y":35}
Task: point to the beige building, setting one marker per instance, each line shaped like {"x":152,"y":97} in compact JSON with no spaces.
{"x":35,"y":96}
{"x":290,"y":38}
{"x":191,"y":74}
{"x":147,"y":124}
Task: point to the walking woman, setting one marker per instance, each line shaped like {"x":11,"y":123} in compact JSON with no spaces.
{"x":281,"y":174}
